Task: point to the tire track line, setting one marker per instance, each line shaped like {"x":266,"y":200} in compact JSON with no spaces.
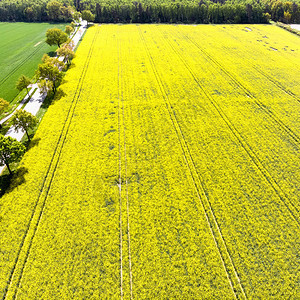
{"x":120,"y":176}
{"x":255,"y":159}
{"x":122,"y":124}
{"x":33,"y":226}
{"x":277,"y":83}
{"x":237,"y":289}
{"x":271,"y":114}
{"x":274,"y":81}
{"x":127,"y":194}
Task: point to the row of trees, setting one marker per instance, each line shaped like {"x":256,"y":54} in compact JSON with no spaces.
{"x":37,"y":10}
{"x":191,"y":11}
{"x":50,"y":75}
{"x":10,"y":149}
{"x":153,"y":11}
{"x":209,"y":12}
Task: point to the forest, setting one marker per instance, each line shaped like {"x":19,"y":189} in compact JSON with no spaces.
{"x":154,"y":11}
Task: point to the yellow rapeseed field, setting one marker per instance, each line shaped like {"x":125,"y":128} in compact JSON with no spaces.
{"x":169,"y":170}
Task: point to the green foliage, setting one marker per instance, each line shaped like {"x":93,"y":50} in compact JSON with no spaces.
{"x":192,"y":12}
{"x":50,"y":72}
{"x":87,"y":16}
{"x":53,"y":60}
{"x":69,"y":29}
{"x":58,"y":12}
{"x":53,"y":10}
{"x":56,"y":36}
{"x":66,"y":51}
{"x":3,"y":105}
{"x":23,"y":119}
{"x":23,"y":83}
{"x":10,"y":151}
{"x":45,"y":86}
{"x":77,"y":16}
{"x":144,"y":11}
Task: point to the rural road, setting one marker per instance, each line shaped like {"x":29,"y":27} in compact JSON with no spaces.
{"x":295,"y":26}
{"x":37,"y":98}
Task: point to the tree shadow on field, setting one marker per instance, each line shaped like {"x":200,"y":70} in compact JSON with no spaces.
{"x":52,"y":53}
{"x":72,"y":65}
{"x":59,"y":94}
{"x":32,"y":143}
{"x":52,"y":98}
{"x":9,"y":182}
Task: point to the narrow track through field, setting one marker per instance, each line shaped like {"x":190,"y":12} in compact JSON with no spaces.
{"x":121,"y":121}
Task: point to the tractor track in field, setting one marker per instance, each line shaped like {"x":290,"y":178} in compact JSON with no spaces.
{"x":45,"y":187}
{"x":254,"y":158}
{"x":120,"y":179}
{"x":271,"y":114}
{"x":122,"y":124}
{"x":276,"y":83}
{"x":231,"y":273}
{"x":127,"y":202}
{"x":25,"y":60}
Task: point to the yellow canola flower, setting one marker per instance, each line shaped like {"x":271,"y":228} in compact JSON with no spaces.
{"x":169,"y":170}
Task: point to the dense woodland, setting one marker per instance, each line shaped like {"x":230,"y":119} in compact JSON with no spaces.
{"x":153,"y":11}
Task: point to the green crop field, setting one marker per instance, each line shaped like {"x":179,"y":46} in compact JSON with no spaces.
{"x":168,"y":170}
{"x":21,"y":49}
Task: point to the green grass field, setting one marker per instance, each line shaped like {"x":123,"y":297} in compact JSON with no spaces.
{"x":22,"y":47}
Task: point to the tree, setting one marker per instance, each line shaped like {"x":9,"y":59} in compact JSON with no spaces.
{"x":45,"y":86}
{"x":23,"y":119}
{"x":66,"y":51}
{"x":56,"y":36}
{"x":76,"y":16}
{"x":69,"y":29}
{"x":88,"y":16}
{"x":267,"y":17}
{"x":54,"y":10}
{"x":53,"y":60}
{"x":73,"y":25}
{"x":31,"y":13}
{"x":287,"y":17}
{"x":23,"y":83}
{"x":3,"y":104}
{"x":48,"y":71}
{"x":10,"y":151}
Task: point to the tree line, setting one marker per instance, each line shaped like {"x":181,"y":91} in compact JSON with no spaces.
{"x":49,"y":75}
{"x":153,"y":11}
